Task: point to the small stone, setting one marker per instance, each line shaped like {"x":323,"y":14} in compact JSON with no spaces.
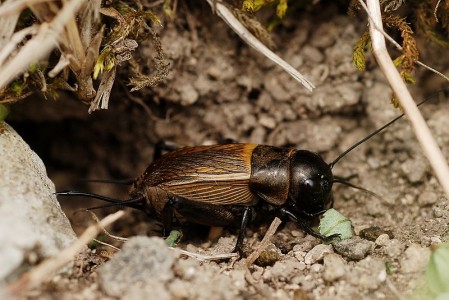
{"x":393,"y":248}
{"x":142,"y":260}
{"x":299,"y":255}
{"x":179,"y":289}
{"x":372,"y":233}
{"x":368,"y":273}
{"x":284,"y":270}
{"x":306,"y":244}
{"x":238,"y":278}
{"x":414,"y":259}
{"x":354,"y":248}
{"x":382,"y":240}
{"x":427,"y":198}
{"x":435,"y":240}
{"x":258,"y":135}
{"x":334,"y":267}
{"x":312,"y":54}
{"x":317,"y":253}
{"x":316,"y":268}
{"x":269,"y":256}
{"x":300,"y":294}
{"x":415,"y":169}
{"x":267,"y":121}
{"x":152,"y":289}
{"x":276,"y":89}
{"x":188,"y":94}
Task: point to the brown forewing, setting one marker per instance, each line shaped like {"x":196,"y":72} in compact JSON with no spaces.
{"x":217,"y":174}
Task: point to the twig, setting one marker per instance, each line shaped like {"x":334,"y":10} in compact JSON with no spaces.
{"x":13,"y":7}
{"x":435,"y":10}
{"x":264,"y":243}
{"x":41,"y":44}
{"x":422,"y":132}
{"x":224,"y":13}
{"x":202,"y":257}
{"x":17,"y":38}
{"x":114,"y":237}
{"x":106,"y":244}
{"x":49,"y":267}
{"x":432,"y":70}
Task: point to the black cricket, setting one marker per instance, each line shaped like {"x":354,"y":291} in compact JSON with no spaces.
{"x":231,"y":185}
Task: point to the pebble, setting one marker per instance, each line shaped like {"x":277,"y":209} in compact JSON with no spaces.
{"x":372,"y":233}
{"x":334,"y":267}
{"x":286,"y":269}
{"x":152,"y":289}
{"x":317,"y":253}
{"x":276,"y":89}
{"x":267,"y":121}
{"x":427,"y":198}
{"x":368,"y":273}
{"x":382,"y":240}
{"x":269,"y":256}
{"x":393,"y":248}
{"x":316,"y":268}
{"x":354,"y":248}
{"x":188,"y":94}
{"x":142,"y":260}
{"x":415,"y":169}
{"x":414,"y":259}
{"x":306,"y":244}
{"x":312,"y":54}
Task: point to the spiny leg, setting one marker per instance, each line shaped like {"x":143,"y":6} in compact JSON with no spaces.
{"x":214,"y":215}
{"x":247,"y":215}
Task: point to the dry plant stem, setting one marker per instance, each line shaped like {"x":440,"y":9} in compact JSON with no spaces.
{"x":422,"y":132}
{"x":49,"y":267}
{"x":114,"y":237}
{"x":40,"y":45}
{"x":16,"y":39}
{"x":202,"y":257}
{"x":17,"y":6}
{"x":224,"y":13}
{"x":264,"y":243}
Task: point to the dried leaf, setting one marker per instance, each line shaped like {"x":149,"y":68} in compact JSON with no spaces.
{"x":358,"y":55}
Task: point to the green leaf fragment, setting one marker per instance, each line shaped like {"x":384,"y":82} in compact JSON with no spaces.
{"x":437,"y":272}
{"x":173,"y":238}
{"x":281,"y":8}
{"x":334,"y":222}
{"x":4,"y":111}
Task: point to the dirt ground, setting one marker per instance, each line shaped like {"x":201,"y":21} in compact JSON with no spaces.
{"x":218,"y":88}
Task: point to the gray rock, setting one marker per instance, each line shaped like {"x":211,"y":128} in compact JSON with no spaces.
{"x":393,"y":248}
{"x":368,"y":273}
{"x":205,"y":281}
{"x":152,"y":289}
{"x":284,"y":270}
{"x":354,"y":248}
{"x":32,"y":223}
{"x":415,"y":259}
{"x":427,"y":198}
{"x":317,"y":253}
{"x":142,"y":260}
{"x":415,"y":169}
{"x":334,"y":267}
{"x":188,"y":94}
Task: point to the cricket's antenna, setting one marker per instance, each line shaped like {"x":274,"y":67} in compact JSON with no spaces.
{"x":332,"y":164}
